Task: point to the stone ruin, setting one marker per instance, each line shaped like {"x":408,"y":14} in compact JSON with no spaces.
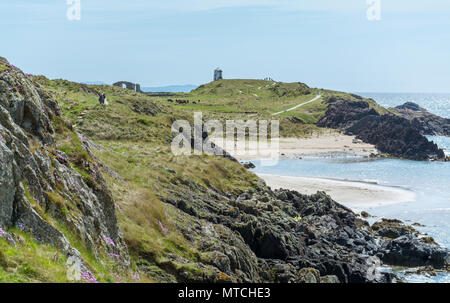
{"x":218,"y":74}
{"x":128,"y":85}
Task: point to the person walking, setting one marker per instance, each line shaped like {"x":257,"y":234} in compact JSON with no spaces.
{"x":101,"y":98}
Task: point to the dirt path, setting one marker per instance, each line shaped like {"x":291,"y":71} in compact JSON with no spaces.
{"x":297,"y":106}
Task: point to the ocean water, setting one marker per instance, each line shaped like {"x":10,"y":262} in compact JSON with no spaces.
{"x":438,"y":104}
{"x":429,"y":180}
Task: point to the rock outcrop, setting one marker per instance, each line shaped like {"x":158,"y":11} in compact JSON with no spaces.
{"x":409,"y":251}
{"x":425,"y":122}
{"x":41,"y":187}
{"x":277,"y":235}
{"x":52,"y":187}
{"x":391,"y":134}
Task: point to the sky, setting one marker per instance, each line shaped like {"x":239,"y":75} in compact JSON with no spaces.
{"x":323,"y":43}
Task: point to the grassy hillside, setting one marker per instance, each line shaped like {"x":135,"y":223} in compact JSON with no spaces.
{"x":131,"y":137}
{"x":258,"y":99}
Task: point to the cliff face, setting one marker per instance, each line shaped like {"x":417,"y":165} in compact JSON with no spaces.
{"x":391,"y":134}
{"x":43,"y":190}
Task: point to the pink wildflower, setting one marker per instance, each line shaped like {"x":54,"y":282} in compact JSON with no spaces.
{"x":116,"y":276}
{"x":109,"y":241}
{"x":163,"y":228}
{"x":88,"y":277}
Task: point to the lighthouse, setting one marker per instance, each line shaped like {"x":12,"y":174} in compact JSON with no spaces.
{"x":217,"y":74}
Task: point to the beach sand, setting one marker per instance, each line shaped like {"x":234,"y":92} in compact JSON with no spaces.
{"x":356,"y":195}
{"x":331,"y":144}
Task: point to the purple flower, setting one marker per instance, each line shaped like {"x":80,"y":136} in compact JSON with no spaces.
{"x":88,"y":277}
{"x":116,"y":276}
{"x":164,"y":229}
{"x":2,"y":232}
{"x":109,"y":241}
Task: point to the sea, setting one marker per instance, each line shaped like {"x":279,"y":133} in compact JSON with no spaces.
{"x":429,"y":180}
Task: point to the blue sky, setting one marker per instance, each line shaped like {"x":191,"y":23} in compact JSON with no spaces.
{"x":324,"y":43}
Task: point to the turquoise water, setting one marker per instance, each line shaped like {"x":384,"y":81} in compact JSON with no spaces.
{"x":429,"y":180}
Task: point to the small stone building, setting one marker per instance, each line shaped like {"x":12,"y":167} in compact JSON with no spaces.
{"x":128,"y":85}
{"x":218,"y":74}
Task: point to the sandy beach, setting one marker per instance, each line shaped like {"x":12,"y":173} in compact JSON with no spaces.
{"x":353,"y":194}
{"x":357,"y":195}
{"x":331,"y":144}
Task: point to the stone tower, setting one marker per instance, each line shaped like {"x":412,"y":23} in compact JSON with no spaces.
{"x":217,"y":74}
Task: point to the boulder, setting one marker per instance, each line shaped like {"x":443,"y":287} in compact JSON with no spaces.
{"x":408,"y":251}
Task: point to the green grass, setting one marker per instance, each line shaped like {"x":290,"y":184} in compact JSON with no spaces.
{"x":134,"y":135}
{"x":150,"y":175}
{"x":30,"y":261}
{"x":3,"y":67}
{"x":241,"y":99}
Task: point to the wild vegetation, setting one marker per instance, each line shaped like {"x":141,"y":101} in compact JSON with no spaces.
{"x":197,"y":218}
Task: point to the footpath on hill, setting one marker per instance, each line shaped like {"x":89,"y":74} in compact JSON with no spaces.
{"x":297,"y":106}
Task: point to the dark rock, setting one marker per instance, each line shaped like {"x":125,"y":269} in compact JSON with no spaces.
{"x":428,"y":240}
{"x":309,"y":275}
{"x":329,"y":280}
{"x":342,"y":114}
{"x":31,"y":175}
{"x":409,"y":251}
{"x":391,"y":228}
{"x":409,"y":106}
{"x":365,"y":214}
{"x":249,"y":165}
{"x":425,"y":122}
{"x":391,"y":134}
{"x":395,"y":136}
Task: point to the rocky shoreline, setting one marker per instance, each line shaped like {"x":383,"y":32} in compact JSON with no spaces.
{"x":391,"y":134}
{"x":282,"y":234}
{"x":256,"y":235}
{"x":425,"y":122}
